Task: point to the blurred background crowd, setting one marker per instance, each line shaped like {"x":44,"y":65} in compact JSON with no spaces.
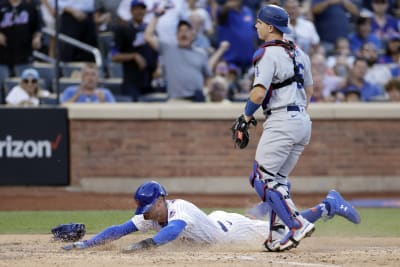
{"x":189,"y":50}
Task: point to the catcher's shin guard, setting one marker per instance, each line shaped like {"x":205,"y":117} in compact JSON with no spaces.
{"x":281,"y":203}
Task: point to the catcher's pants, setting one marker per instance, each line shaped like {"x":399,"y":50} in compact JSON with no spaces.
{"x":283,"y":139}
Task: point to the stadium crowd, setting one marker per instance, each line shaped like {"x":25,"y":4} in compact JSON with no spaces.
{"x":192,"y":50}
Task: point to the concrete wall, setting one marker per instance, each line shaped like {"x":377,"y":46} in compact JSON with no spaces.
{"x":354,"y":148}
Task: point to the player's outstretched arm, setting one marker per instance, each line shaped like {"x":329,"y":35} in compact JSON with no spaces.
{"x":165,"y":235}
{"x":111,"y":233}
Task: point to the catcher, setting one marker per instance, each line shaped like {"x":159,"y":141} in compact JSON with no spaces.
{"x":181,"y":220}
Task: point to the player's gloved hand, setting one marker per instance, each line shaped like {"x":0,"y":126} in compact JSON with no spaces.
{"x":144,"y":244}
{"x":240,"y":131}
{"x":76,"y":245}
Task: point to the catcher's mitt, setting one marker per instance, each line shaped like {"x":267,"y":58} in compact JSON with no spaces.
{"x":70,"y":232}
{"x":240,"y":133}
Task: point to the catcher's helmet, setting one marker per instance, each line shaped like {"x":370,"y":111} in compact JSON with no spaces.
{"x":276,"y":16}
{"x":147,"y":194}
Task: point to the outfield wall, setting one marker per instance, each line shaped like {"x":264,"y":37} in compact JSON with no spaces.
{"x":114,"y":147}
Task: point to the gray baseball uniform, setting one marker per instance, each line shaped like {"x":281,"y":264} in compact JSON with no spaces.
{"x":286,"y":130}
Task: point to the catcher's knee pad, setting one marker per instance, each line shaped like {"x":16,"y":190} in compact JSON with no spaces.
{"x":283,"y":206}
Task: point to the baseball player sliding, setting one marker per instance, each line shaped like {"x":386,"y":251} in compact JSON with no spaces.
{"x":283,"y":87}
{"x":181,"y":220}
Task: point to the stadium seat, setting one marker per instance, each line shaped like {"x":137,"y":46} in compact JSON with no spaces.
{"x":113,"y":84}
{"x":115,"y":70}
{"x":4,"y":74}
{"x":71,"y":69}
{"x":154,"y":97}
{"x":240,"y":97}
{"x":49,"y":101}
{"x":66,"y":82}
{"x":123,"y":98}
{"x":18,"y":69}
{"x":47,"y":72}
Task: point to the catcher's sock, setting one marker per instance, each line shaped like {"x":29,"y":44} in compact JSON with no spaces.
{"x":316,"y":212}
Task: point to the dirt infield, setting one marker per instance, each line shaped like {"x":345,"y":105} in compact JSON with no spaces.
{"x":317,"y":251}
{"x":39,"y":250}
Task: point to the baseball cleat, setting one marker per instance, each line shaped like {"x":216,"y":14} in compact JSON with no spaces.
{"x":291,"y":239}
{"x":339,"y":206}
{"x":278,"y":232}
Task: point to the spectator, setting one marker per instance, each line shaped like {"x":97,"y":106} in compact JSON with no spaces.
{"x":383,"y":25}
{"x":48,"y":15}
{"x":235,"y":24}
{"x":352,"y":95}
{"x":206,"y":26}
{"x":392,"y":51}
{"x":238,"y":86}
{"x":392,"y":88}
{"x":27,"y":93}
{"x":218,"y":90}
{"x":87,"y":91}
{"x":357,"y":82}
{"x":327,"y":82}
{"x":175,"y":11}
{"x":186,"y":67}
{"x":332,"y":20}
{"x":201,"y":40}
{"x":20,"y":33}
{"x":139,"y":60}
{"x":317,"y":96}
{"x":341,"y":52}
{"x":342,"y":67}
{"x":377,"y":73}
{"x":395,"y":10}
{"x":392,"y":5}
{"x":105,"y":14}
{"x":77,"y":21}
{"x":303,"y":32}
{"x":230,"y":74}
{"x":362,"y":35}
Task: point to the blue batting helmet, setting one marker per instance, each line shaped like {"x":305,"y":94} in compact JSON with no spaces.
{"x":147,"y":194}
{"x":276,"y":16}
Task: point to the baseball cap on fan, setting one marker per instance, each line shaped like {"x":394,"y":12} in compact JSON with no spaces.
{"x":135,"y":3}
{"x":30,"y":73}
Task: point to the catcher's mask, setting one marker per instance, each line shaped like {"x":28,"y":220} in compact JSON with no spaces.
{"x":147,"y":194}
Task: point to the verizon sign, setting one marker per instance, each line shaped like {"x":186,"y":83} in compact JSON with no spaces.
{"x":25,"y":148}
{"x":33,"y":146}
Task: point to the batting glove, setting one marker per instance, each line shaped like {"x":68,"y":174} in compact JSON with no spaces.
{"x":76,"y":245}
{"x":144,"y":244}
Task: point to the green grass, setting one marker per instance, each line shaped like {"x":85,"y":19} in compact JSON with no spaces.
{"x":375,"y":222}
